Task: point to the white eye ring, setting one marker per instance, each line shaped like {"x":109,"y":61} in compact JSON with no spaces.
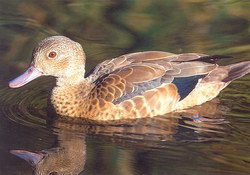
{"x":52,"y":55}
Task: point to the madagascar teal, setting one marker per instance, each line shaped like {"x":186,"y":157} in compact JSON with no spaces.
{"x":135,"y":85}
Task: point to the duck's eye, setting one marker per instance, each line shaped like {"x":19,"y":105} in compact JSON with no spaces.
{"x":52,"y":54}
{"x":53,"y":173}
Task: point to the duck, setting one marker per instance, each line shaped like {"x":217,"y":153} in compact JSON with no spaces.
{"x":130,"y":86}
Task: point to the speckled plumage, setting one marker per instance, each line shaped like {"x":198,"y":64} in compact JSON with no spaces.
{"x":131,"y":86}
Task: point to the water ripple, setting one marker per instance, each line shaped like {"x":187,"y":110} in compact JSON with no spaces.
{"x":25,"y":105}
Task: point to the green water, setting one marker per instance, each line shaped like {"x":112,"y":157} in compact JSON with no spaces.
{"x":173,"y":144}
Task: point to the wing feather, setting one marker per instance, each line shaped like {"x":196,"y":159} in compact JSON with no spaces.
{"x":128,"y":76}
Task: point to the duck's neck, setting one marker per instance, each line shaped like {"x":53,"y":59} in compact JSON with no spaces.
{"x":70,"y":93}
{"x":73,"y":84}
{"x":69,"y":81}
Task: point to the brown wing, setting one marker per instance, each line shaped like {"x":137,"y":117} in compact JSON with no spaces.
{"x":146,"y":74}
{"x":111,"y":65}
{"x":151,"y":57}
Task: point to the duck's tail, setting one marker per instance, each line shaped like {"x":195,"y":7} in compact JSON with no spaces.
{"x":210,"y":86}
{"x":237,"y":70}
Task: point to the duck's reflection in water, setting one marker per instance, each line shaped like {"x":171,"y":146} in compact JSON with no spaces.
{"x":66,"y":159}
{"x":199,"y":124}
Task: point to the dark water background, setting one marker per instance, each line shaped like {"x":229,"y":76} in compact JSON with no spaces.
{"x":173,"y":144}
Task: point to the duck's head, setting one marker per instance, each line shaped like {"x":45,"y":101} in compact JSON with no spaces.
{"x":58,"y":56}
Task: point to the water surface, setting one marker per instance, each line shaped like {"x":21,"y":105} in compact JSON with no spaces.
{"x":173,"y":144}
